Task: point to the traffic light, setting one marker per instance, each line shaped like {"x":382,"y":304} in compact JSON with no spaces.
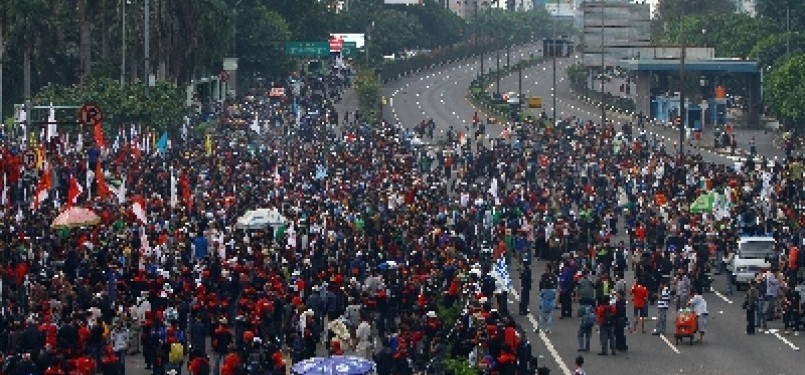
{"x":678,"y":121}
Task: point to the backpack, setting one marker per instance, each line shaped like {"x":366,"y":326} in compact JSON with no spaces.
{"x":176,"y":353}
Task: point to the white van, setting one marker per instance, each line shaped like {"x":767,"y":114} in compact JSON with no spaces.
{"x":751,"y":258}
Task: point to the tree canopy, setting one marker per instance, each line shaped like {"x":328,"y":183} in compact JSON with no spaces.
{"x":716,"y":23}
{"x":785,"y":92}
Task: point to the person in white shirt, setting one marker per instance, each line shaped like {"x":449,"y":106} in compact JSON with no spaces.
{"x":579,"y":370}
{"x":363,"y":336}
{"x":699,"y":306}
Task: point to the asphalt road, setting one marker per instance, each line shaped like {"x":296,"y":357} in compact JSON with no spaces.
{"x":440,"y":94}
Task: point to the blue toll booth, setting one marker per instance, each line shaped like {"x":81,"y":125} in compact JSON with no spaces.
{"x":694,"y":116}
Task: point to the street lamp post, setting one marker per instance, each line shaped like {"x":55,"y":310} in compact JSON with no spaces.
{"x":682,"y":94}
{"x":147,"y":44}
{"x":497,"y":72}
{"x":603,"y":68}
{"x":123,"y":43}
{"x":553,"y":61}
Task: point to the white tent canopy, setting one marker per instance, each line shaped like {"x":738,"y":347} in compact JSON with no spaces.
{"x":261,"y":218}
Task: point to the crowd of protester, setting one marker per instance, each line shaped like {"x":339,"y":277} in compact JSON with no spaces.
{"x":389,"y":248}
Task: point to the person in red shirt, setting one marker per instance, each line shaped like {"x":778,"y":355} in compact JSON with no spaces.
{"x":640,"y":303}
{"x":199,"y":362}
{"x":231,"y":362}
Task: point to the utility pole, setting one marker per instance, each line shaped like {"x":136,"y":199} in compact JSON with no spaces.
{"x":497,"y":72}
{"x":123,"y":44}
{"x":603,"y":69}
{"x":482,"y":56}
{"x":520,"y":80}
{"x":368,"y":39}
{"x":682,"y":93}
{"x":475,"y":35}
{"x":508,"y":52}
{"x":147,"y":36}
{"x":788,"y":29}
{"x":553,"y":62}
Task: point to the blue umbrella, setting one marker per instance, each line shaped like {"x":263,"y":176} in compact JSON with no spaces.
{"x":338,"y":365}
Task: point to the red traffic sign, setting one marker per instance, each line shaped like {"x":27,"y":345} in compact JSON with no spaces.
{"x":90,"y":114}
{"x":336,"y":43}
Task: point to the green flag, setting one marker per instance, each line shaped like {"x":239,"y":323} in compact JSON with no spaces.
{"x":704,"y":203}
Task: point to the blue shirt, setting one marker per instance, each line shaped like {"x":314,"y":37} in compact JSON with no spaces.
{"x":547,"y":299}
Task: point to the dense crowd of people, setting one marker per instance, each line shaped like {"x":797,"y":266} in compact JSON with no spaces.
{"x":388,"y":249}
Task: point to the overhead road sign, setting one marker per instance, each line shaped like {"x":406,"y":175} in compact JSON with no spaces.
{"x":307,"y":49}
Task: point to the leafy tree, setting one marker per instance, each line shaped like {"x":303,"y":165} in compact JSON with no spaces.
{"x":785,"y":93}
{"x":771,"y":50}
{"x":669,"y":10}
{"x":309,"y":20}
{"x":779,"y":11}
{"x":162,"y":109}
{"x":260,"y":41}
{"x":367,"y":88}
{"x":440,"y":26}
{"x":394,"y":31}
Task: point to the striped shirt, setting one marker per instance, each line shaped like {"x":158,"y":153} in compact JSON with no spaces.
{"x":665,"y":298}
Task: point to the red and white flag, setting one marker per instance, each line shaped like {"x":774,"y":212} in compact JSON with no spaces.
{"x":74,"y":189}
{"x":43,"y":187}
{"x":100,"y":180}
{"x":138,"y":209}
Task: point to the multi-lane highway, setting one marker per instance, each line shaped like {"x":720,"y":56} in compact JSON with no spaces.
{"x":440,"y":94}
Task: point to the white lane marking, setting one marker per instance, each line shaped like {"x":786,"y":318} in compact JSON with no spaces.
{"x":548,"y":344}
{"x":723,"y":297}
{"x":533,"y":321}
{"x":776,"y":333}
{"x":551,"y":349}
{"x":670,"y":345}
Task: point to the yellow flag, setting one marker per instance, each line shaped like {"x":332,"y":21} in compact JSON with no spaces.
{"x":40,"y":157}
{"x":208,"y":144}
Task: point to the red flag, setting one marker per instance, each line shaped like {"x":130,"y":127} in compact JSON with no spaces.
{"x":138,"y":208}
{"x":187,"y":196}
{"x":44,"y":185}
{"x":103,"y":189}
{"x":73,"y":191}
{"x":99,"y":135}
{"x":122,"y":155}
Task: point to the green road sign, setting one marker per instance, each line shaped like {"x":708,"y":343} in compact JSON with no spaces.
{"x":348,"y":49}
{"x":307,"y":49}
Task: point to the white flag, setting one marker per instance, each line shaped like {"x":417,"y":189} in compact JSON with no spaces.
{"x":79,"y":143}
{"x":493,"y":187}
{"x":3,"y":199}
{"x":256,"y":124}
{"x":121,"y":191}
{"x":52,"y":128}
{"x":90,"y":178}
{"x":174,"y":198}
